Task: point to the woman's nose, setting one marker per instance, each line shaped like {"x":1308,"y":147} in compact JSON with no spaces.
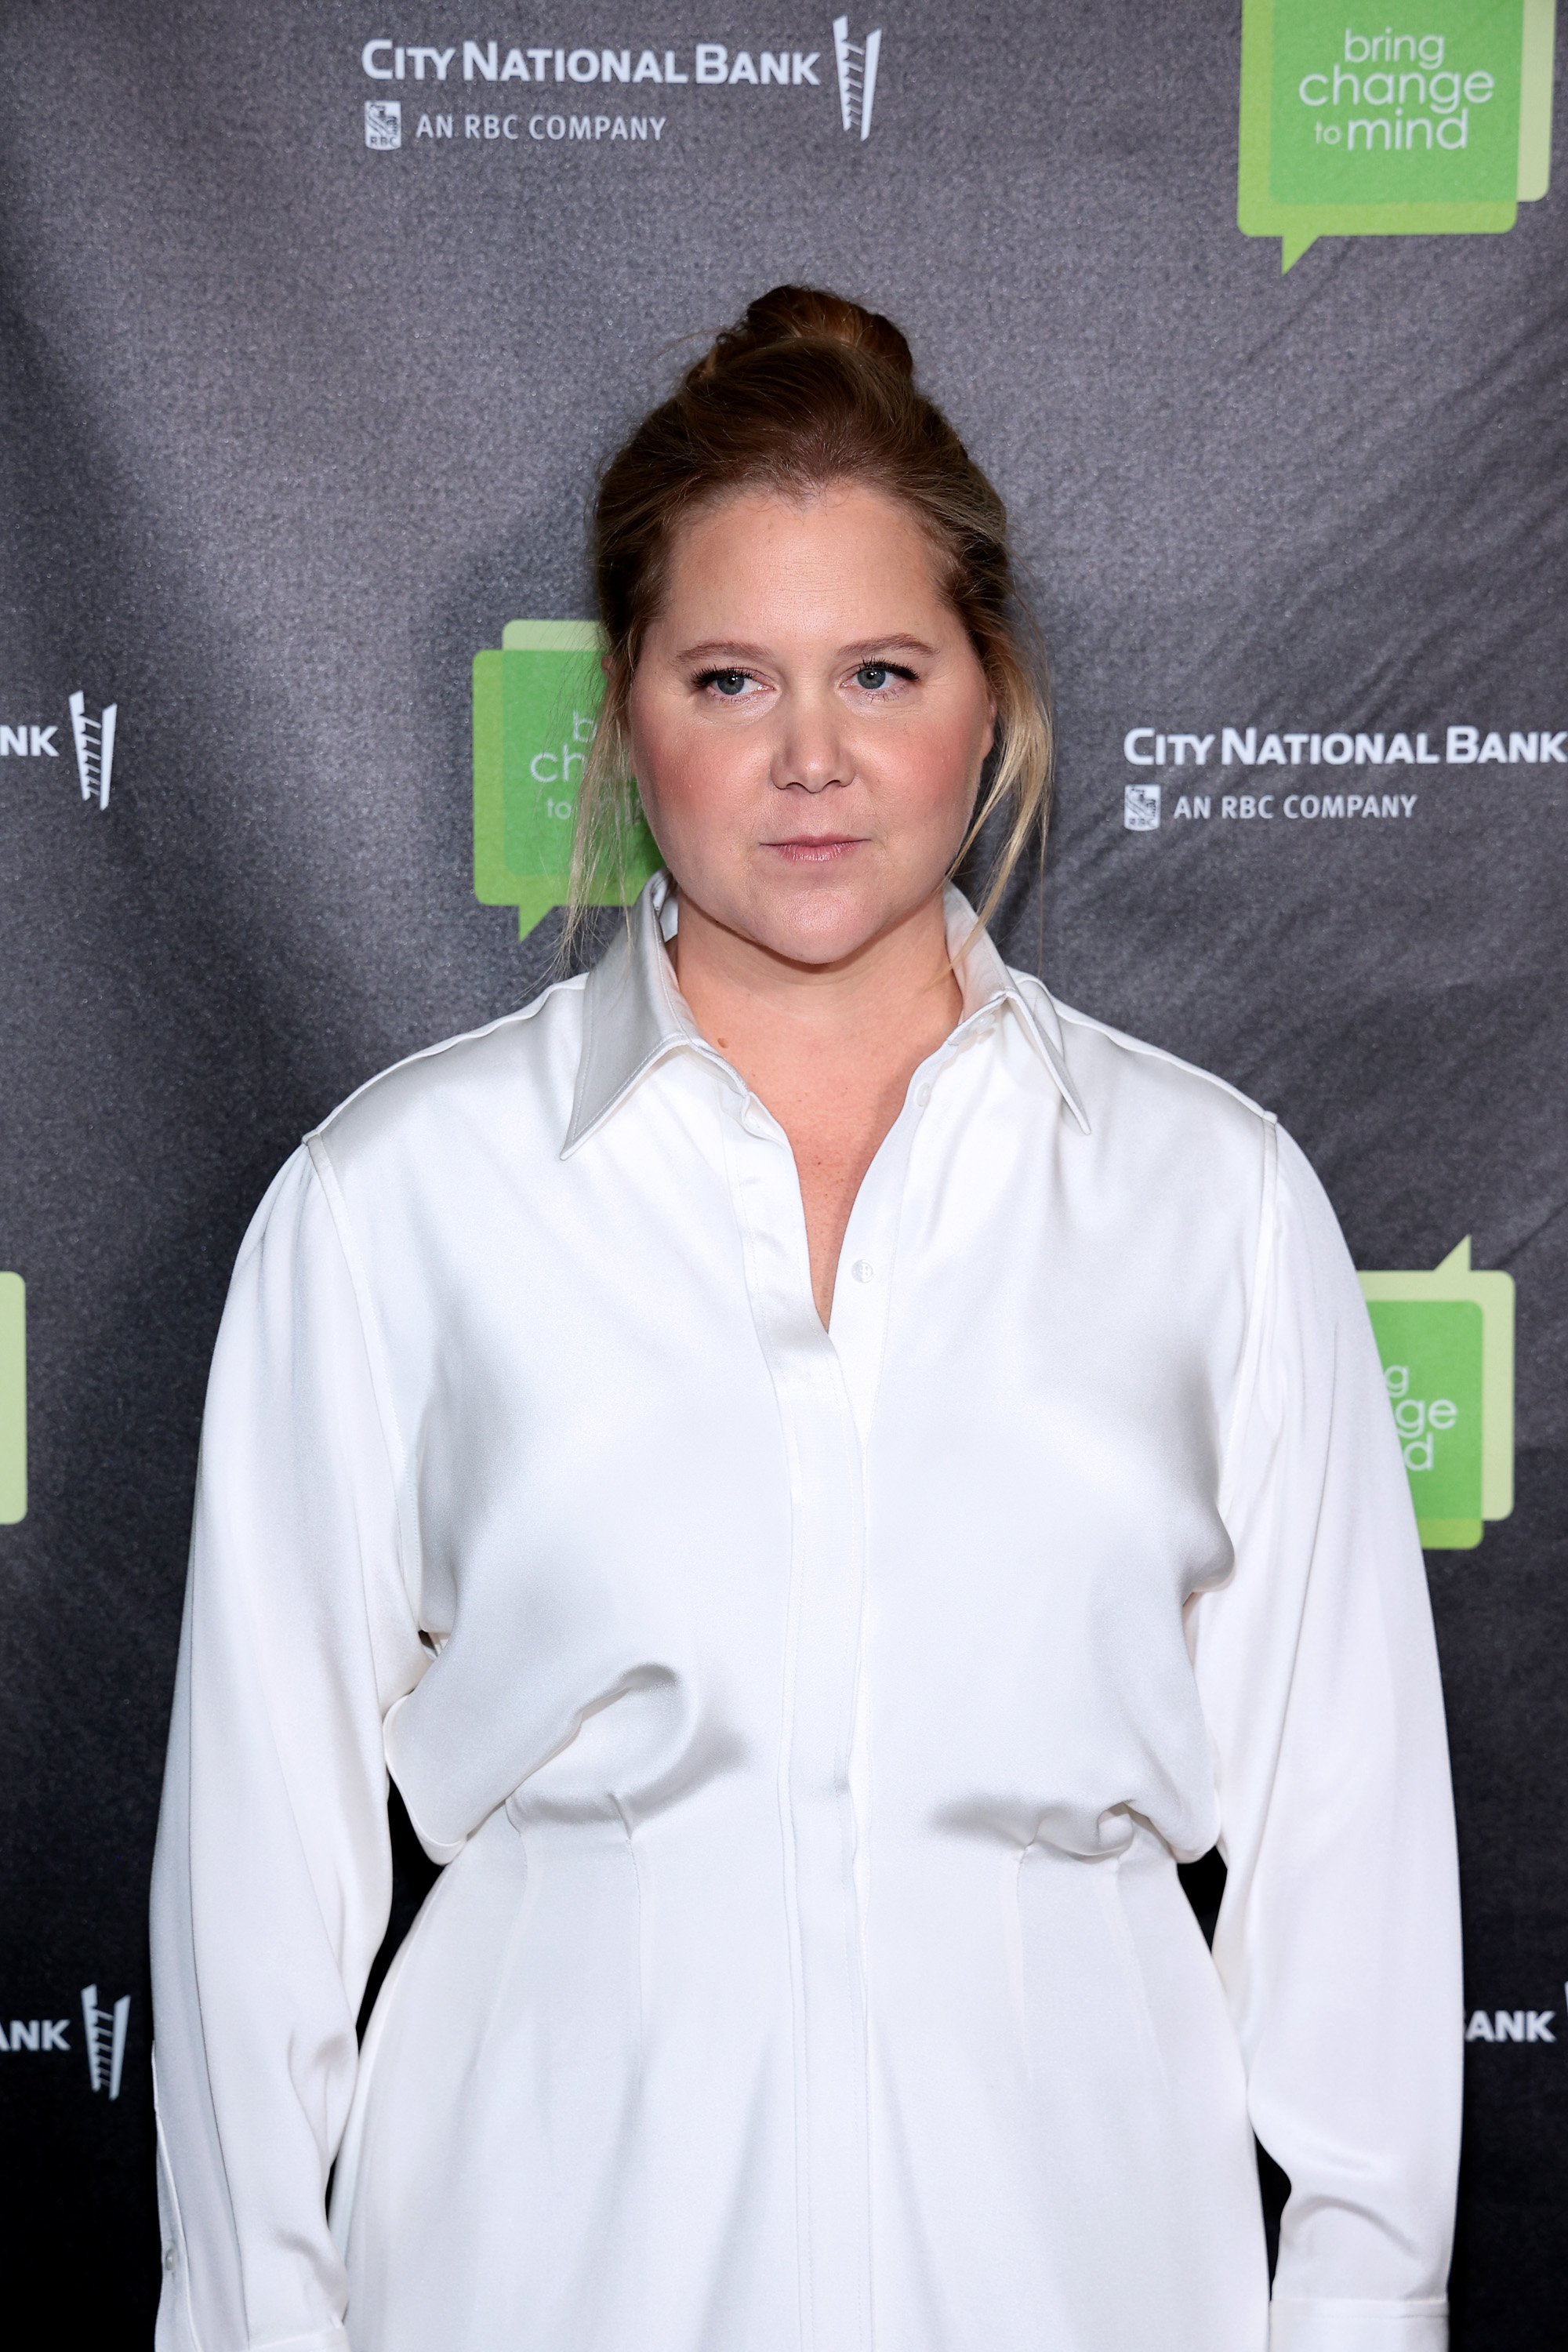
{"x":810,"y":753}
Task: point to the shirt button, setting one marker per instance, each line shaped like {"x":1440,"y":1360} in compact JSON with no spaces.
{"x":923,"y":1095}
{"x":168,"y":2258}
{"x":862,"y":1269}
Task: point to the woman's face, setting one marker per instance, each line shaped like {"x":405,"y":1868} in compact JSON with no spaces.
{"x":807,"y":721}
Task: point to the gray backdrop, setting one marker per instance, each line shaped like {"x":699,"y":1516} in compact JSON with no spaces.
{"x":294,"y":425}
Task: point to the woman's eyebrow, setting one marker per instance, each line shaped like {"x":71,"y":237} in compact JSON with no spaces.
{"x":726,"y":649}
{"x":722,"y":649}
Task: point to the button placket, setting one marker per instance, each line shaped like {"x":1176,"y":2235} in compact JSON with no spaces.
{"x":862,"y":1296}
{"x":828,"y":1558}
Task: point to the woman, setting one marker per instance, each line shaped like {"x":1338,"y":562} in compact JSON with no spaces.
{"x":824,"y":1476}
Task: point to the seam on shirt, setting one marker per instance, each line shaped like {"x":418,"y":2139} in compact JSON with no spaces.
{"x":1107,"y":1885}
{"x":1252,"y":1342}
{"x":445,"y":1046}
{"x":408,"y":1546}
{"x":187,"y":1933}
{"x":1159,"y":1053}
{"x":286,"y":1782}
{"x":167,"y":2183}
{"x":346,"y":2033}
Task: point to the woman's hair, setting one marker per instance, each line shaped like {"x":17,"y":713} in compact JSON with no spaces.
{"x":808,"y":390}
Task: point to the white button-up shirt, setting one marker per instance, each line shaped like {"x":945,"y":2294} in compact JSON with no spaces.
{"x":811,"y":1723}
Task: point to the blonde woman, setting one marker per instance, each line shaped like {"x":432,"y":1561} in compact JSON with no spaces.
{"x":823,"y":1476}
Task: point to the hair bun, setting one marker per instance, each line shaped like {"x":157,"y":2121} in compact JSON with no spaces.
{"x":806,"y":314}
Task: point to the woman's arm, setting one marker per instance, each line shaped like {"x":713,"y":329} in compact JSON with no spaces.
{"x":1338,"y":1940}
{"x":272,"y":1879}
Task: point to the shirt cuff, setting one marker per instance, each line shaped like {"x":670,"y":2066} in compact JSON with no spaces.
{"x":1335,"y":2326}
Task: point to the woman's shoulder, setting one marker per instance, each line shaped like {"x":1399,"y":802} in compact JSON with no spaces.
{"x":1160,"y":1120}
{"x":514,"y":1075}
{"x":1127,"y":1080}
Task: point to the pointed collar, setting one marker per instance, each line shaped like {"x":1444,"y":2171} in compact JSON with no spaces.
{"x":634,"y":1015}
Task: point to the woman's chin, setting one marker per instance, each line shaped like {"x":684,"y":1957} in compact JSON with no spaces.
{"x":829,"y":923}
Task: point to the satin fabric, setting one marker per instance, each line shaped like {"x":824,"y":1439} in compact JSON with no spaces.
{"x":810,"y":1723}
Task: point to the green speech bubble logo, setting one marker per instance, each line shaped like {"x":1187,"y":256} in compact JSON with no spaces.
{"x":1446,"y":1343}
{"x":1436,"y":124}
{"x":13,"y":1400}
{"x":536,"y":706}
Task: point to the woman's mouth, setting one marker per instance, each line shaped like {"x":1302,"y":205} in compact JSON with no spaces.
{"x":814,"y":848}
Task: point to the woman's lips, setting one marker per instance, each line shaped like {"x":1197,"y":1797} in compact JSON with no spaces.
{"x":814,"y":848}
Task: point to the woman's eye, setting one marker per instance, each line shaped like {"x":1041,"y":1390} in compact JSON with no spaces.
{"x":872,"y":674}
{"x":730,"y":682}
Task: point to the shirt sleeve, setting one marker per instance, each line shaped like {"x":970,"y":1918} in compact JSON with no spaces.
{"x":272,"y":1877}
{"x":1337,"y":1939}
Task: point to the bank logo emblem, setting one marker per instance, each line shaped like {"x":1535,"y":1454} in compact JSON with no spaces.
{"x":856,"y":63}
{"x":1439,"y":125}
{"x":13,"y":1400}
{"x":536,"y":710}
{"x":94,"y":739}
{"x":383,"y":122}
{"x":1141,"y":808}
{"x":106,"y":2030}
{"x":1446,"y":1340}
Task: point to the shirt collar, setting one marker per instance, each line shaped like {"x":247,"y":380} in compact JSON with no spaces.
{"x":634,"y":1016}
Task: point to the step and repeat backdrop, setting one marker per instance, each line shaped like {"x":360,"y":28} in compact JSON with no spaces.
{"x":316,"y":324}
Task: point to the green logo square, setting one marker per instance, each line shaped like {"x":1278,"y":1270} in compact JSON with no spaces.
{"x":1387,"y":117}
{"x":1431,"y":1351}
{"x":1436,"y":123}
{"x":536,"y":709}
{"x":1445,"y":1340}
